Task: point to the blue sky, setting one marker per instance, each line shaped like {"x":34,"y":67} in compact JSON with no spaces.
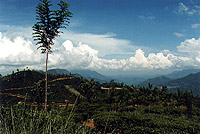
{"x":114,"y":33}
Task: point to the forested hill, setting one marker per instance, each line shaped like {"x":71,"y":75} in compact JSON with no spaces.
{"x":29,"y":83}
{"x":21,"y":79}
{"x":191,"y":81}
{"x":158,"y":81}
{"x":132,"y":109}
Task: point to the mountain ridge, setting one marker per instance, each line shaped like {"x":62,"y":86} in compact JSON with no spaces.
{"x":190,"y":81}
{"x":157,"y":81}
{"x":182,"y":73}
{"x":89,"y":74}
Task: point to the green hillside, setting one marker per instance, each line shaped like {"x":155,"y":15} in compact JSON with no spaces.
{"x":76,"y":105}
{"x":191,"y":81}
{"x":31,"y":83}
{"x":21,"y":79}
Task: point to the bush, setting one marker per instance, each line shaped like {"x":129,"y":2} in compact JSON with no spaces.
{"x":139,"y":122}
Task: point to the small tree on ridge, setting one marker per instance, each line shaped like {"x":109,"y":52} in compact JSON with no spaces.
{"x":46,"y":29}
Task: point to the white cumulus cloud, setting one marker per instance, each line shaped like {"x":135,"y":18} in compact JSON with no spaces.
{"x":106,"y":44}
{"x":19,"y":52}
{"x":191,"y":47}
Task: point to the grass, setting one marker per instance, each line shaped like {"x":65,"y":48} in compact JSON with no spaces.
{"x":19,"y":119}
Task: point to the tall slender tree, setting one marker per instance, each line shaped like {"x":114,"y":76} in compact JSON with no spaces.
{"x":46,"y":29}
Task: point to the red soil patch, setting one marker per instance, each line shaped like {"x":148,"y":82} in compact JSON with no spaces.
{"x":89,"y":123}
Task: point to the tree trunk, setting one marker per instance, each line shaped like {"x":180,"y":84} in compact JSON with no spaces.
{"x":46,"y":85}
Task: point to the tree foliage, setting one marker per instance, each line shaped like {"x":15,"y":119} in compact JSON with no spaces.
{"x":46,"y":29}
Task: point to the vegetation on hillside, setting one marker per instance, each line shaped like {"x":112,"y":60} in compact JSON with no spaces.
{"x":78,"y":105}
{"x":191,"y":81}
{"x":85,"y":106}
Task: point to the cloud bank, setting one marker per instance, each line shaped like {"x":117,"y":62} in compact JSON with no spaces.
{"x":20,"y":53}
{"x":106,"y":44}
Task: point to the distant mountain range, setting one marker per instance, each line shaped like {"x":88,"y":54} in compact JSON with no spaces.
{"x":157,"y":81}
{"x":190,"y":80}
{"x":89,"y":74}
{"x":92,"y":75}
{"x":81,"y":73}
{"x":58,"y":71}
{"x":130,"y":80}
{"x":185,"y":79}
{"x":183,"y":73}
